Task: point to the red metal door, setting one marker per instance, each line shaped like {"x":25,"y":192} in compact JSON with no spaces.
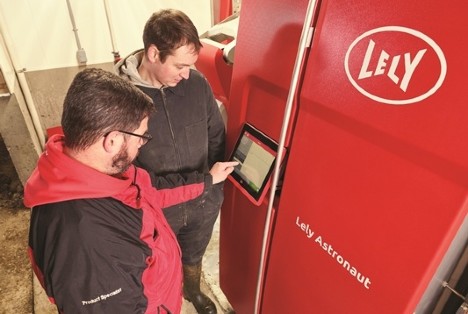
{"x":267,"y":42}
{"x":375,"y":188}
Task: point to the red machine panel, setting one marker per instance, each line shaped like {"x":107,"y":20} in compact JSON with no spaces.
{"x":267,"y":41}
{"x":376,"y":183}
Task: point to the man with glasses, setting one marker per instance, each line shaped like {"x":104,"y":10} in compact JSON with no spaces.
{"x":188,"y":132}
{"x":98,"y":240}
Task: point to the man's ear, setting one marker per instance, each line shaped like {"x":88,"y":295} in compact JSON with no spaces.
{"x":153,"y":53}
{"x":112,"y":142}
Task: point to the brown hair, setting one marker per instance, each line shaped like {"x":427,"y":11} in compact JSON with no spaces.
{"x":98,"y":102}
{"x":168,"y":30}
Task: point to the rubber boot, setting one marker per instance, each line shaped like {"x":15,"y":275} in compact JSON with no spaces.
{"x":192,"y":292}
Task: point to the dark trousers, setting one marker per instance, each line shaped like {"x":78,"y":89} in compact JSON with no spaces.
{"x":193,"y":222}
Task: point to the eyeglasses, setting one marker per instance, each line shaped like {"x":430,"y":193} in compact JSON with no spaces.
{"x":145,"y":137}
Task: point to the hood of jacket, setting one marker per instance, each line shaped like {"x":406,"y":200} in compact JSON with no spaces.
{"x":127,"y":68}
{"x":59,"y":177}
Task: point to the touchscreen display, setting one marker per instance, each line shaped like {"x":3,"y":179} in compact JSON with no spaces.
{"x":256,"y":154}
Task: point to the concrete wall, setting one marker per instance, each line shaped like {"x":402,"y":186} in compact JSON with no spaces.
{"x":18,"y":134}
{"x":48,"y":89}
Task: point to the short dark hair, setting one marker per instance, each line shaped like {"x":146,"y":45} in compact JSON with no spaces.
{"x":168,"y":30}
{"x":98,"y":102}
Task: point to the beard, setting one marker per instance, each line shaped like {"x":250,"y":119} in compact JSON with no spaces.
{"x":122,"y":161}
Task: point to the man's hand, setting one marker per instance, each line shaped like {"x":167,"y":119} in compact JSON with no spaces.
{"x":221,"y":170}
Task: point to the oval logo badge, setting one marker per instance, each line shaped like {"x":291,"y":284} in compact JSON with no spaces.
{"x":395,"y":65}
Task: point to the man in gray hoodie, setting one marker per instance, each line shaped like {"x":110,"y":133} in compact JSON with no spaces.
{"x":187,"y":129}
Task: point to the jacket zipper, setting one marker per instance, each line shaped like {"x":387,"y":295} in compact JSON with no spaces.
{"x":176,"y":148}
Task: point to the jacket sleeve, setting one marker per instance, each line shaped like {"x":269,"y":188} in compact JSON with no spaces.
{"x":216,"y":129}
{"x":181,"y":187}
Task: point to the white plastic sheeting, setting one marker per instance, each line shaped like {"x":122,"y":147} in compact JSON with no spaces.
{"x":42,"y":34}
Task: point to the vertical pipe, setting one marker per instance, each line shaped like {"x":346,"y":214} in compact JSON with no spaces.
{"x":80,"y":54}
{"x":304,"y":42}
{"x":38,"y":131}
{"x":72,"y":19}
{"x":115,"y":51}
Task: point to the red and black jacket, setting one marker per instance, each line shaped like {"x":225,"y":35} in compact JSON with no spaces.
{"x":100,"y":244}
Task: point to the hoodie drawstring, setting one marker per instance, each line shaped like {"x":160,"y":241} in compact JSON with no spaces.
{"x":138,"y":197}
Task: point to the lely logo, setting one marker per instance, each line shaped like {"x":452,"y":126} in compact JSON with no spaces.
{"x":395,"y":65}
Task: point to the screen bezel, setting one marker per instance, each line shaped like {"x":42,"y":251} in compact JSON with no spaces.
{"x":254,"y":196}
